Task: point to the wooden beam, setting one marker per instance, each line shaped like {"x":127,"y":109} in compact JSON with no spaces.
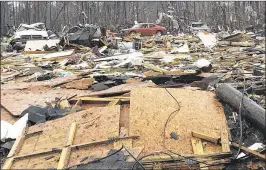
{"x":8,"y":163}
{"x":93,"y":99}
{"x":64,"y":157}
{"x":102,"y":142}
{"x":198,"y":149}
{"x":71,"y":135}
{"x":254,"y":153}
{"x":225,"y":139}
{"x":197,"y":146}
{"x":37,"y":153}
{"x":101,"y":99}
{"x":114,"y":102}
{"x":206,"y":137}
{"x":17,"y":146}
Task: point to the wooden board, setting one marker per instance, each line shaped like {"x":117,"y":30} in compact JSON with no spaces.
{"x":123,"y":88}
{"x":151,"y":107}
{"x":37,"y":162}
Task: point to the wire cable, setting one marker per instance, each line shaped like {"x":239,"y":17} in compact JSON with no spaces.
{"x":96,"y":160}
{"x":136,"y":160}
{"x":168,"y":119}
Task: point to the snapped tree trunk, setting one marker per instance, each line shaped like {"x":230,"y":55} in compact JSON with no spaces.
{"x":251,"y":110}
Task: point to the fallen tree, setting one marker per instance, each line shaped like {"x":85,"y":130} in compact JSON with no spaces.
{"x":250,"y":109}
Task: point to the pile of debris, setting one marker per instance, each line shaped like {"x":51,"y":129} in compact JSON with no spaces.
{"x":170,"y":102}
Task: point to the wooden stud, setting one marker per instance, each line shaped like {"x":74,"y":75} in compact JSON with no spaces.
{"x":64,"y":157}
{"x":254,"y":153}
{"x":102,"y":142}
{"x":197,"y":146}
{"x":225,"y":140}
{"x":198,"y":149}
{"x":93,"y":99}
{"x":37,"y":153}
{"x":101,"y":99}
{"x":8,"y":163}
{"x":114,"y":102}
{"x":205,"y":137}
{"x":17,"y":146}
{"x":71,"y":135}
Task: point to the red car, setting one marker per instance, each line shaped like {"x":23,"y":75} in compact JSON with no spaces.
{"x":145,"y":29}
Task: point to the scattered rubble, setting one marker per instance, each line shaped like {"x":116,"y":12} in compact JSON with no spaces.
{"x":93,"y":99}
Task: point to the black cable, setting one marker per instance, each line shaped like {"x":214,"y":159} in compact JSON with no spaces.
{"x":240,"y":119}
{"x":188,"y":157}
{"x":136,"y":160}
{"x":156,"y":153}
{"x":166,"y":123}
{"x":96,"y":160}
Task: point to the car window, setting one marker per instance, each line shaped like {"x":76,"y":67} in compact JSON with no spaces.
{"x":137,"y":26}
{"x":151,"y":25}
{"x":197,"y":25}
{"x":144,"y":26}
{"x":73,"y":30}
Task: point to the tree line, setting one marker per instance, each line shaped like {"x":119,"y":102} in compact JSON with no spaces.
{"x":113,"y":15}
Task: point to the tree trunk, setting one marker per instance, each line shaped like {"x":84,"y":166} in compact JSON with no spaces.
{"x":251,"y":110}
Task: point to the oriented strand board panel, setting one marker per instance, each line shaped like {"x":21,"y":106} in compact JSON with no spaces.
{"x":90,"y":152}
{"x":151,"y":107}
{"x":93,"y":124}
{"x":16,"y":101}
{"x":45,"y":141}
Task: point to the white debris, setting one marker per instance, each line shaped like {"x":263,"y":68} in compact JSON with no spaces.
{"x":9,"y":131}
{"x":102,"y":49}
{"x":182,"y":49}
{"x":202,"y":63}
{"x":254,"y":147}
{"x":208,"y":39}
{"x":168,"y":59}
{"x":4,"y":129}
{"x":125,"y":45}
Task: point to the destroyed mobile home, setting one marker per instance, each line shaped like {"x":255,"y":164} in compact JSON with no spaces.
{"x":92,"y":100}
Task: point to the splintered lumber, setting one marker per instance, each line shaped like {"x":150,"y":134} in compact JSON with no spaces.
{"x":8,"y":163}
{"x":198,"y":149}
{"x":254,"y":112}
{"x":64,"y":157}
{"x":225,"y":139}
{"x":16,"y":147}
{"x":254,"y":153}
{"x":241,"y":44}
{"x":205,"y":137}
{"x":164,"y":157}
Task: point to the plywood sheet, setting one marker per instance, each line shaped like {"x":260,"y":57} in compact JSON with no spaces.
{"x":16,"y":101}
{"x":151,"y":107}
{"x":94,"y":124}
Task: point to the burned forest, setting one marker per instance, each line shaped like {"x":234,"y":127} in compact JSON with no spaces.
{"x":133,"y":85}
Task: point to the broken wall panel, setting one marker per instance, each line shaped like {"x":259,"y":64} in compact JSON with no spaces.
{"x":95,"y":124}
{"x":151,"y":107}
